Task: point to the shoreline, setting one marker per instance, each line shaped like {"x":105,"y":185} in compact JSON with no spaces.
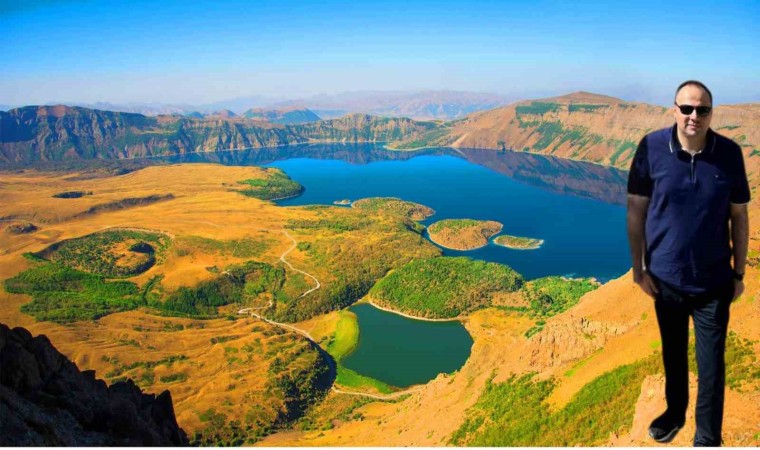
{"x":409,"y":316}
{"x":452,"y":248}
{"x":16,"y":166}
{"x":536,"y":247}
{"x":488,"y":239}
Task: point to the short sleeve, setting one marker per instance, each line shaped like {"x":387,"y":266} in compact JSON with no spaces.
{"x":639,"y":179}
{"x":740,"y":187}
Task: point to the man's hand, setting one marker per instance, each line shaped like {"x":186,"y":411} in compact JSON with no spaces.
{"x":738,"y":289}
{"x":647,"y":285}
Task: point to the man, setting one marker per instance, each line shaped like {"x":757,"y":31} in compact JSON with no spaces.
{"x":687,"y":187}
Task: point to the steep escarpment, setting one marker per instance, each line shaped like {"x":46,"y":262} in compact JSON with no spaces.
{"x":587,"y":127}
{"x":364,"y":128}
{"x":55,"y":133}
{"x":46,"y":401}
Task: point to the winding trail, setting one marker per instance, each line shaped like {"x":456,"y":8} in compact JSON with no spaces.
{"x":251,"y":310}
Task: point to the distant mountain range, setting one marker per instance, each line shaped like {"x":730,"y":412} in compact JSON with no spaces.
{"x":424,"y":105}
{"x":581,"y":126}
{"x":285,"y":116}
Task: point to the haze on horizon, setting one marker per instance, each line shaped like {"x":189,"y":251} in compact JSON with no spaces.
{"x":194,"y":53}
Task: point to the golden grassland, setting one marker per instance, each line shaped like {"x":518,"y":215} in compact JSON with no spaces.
{"x":219,"y":365}
{"x":463,"y":234}
{"x":611,"y":326}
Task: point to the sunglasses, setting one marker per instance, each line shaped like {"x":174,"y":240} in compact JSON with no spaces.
{"x":702,"y":111}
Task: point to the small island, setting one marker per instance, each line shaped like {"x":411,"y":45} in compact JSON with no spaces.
{"x":463,"y":234}
{"x":395,"y":206}
{"x":518,"y":243}
{"x":345,"y":201}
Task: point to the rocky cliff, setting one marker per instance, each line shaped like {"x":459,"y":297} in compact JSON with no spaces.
{"x":587,"y":127}
{"x":364,"y":128}
{"x":287,"y":116}
{"x":46,"y":401}
{"x":54,"y":133}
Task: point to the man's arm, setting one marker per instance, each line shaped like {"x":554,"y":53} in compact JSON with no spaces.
{"x":636,"y":218}
{"x":739,"y":242}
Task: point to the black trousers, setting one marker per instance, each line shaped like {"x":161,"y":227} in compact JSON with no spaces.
{"x":710,"y":312}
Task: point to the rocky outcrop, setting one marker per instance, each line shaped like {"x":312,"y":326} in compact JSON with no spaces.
{"x":569,"y":340}
{"x":46,"y":401}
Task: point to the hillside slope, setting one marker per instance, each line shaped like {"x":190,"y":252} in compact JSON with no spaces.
{"x":54,"y":133}
{"x":46,"y":401}
{"x":587,"y":127}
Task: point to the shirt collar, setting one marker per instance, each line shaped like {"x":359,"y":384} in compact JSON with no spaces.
{"x":675,"y":145}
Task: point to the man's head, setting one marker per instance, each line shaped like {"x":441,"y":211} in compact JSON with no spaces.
{"x":693,"y":109}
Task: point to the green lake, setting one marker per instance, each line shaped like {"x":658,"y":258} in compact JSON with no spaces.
{"x":402,"y":351}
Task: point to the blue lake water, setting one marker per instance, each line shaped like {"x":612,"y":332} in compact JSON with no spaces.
{"x":576,"y":208}
{"x":582,"y":236}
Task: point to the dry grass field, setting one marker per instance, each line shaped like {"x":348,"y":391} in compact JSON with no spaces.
{"x":223,"y":372}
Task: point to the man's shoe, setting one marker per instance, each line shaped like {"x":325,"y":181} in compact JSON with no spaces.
{"x":663,"y":429}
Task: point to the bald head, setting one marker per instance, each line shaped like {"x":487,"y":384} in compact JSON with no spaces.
{"x":697,"y":84}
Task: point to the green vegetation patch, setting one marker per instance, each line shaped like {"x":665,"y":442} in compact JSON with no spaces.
{"x":549,"y":296}
{"x":275,"y":186}
{"x":61,"y":294}
{"x":729,"y":127}
{"x":346,"y":336}
{"x":121,"y":368}
{"x":515,"y":413}
{"x":444,"y":287}
{"x":518,"y":242}
{"x":111,"y":253}
{"x":620,"y":148}
{"x":173,"y":378}
{"x":453,"y":224}
{"x":742,"y":367}
{"x":334,"y":224}
{"x":237,"y":284}
{"x":434,"y":138}
{"x":72,"y":194}
{"x":537,"y":108}
{"x":349,"y":378}
{"x":584,"y":107}
{"x":392,"y":205}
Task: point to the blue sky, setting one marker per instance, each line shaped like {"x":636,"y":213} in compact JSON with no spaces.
{"x":203,"y":51}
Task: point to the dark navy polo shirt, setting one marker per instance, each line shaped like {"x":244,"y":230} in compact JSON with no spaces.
{"x":687,"y":233}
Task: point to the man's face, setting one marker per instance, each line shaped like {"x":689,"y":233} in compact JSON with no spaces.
{"x":692,"y":125}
